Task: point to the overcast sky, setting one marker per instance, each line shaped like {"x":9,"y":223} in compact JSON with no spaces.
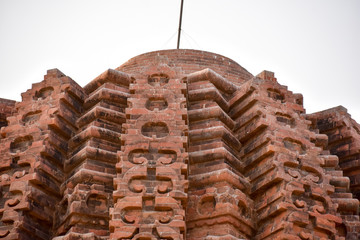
{"x":313,"y":46}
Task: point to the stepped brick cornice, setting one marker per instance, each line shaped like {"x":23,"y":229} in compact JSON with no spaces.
{"x":176,"y":144}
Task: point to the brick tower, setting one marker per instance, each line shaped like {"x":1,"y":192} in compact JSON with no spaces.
{"x":176,"y":144}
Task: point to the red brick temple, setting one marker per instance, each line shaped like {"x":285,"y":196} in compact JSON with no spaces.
{"x":176,"y":144}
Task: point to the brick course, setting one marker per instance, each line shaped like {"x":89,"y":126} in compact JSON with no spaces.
{"x":7,"y":108}
{"x":175,"y":144}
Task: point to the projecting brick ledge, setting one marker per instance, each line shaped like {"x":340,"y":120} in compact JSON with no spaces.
{"x":7,"y":108}
{"x":176,"y":144}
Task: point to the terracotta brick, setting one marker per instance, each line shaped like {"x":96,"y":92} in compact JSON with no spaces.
{"x":344,"y":142}
{"x":36,"y":148}
{"x":152,"y":164}
{"x":7,"y":108}
{"x":175,"y":144}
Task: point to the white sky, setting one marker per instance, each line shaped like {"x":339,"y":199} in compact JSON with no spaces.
{"x":313,"y":46}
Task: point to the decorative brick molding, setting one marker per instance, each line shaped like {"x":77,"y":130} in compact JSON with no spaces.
{"x":175,"y":144}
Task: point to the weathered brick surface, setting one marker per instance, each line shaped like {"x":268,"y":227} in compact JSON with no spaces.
{"x":175,"y":144}
{"x":33,"y":152}
{"x":183,"y":62}
{"x":343,"y":141}
{"x":289,"y":187}
{"x":219,"y":205}
{"x":7,"y":108}
{"x":90,"y":167}
{"x":151,"y":188}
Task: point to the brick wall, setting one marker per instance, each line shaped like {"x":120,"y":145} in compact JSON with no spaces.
{"x":7,"y":108}
{"x":175,"y":144}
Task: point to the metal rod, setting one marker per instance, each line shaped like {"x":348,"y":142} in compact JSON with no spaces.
{"x":181,"y":11}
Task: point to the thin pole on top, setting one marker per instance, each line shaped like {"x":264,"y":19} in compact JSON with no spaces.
{"x":179,"y":33}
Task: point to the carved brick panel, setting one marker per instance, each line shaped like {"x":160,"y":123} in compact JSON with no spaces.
{"x":32,"y":152}
{"x":176,"y":144}
{"x":150,"y":191}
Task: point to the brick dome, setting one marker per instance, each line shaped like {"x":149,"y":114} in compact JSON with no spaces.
{"x":186,"y":61}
